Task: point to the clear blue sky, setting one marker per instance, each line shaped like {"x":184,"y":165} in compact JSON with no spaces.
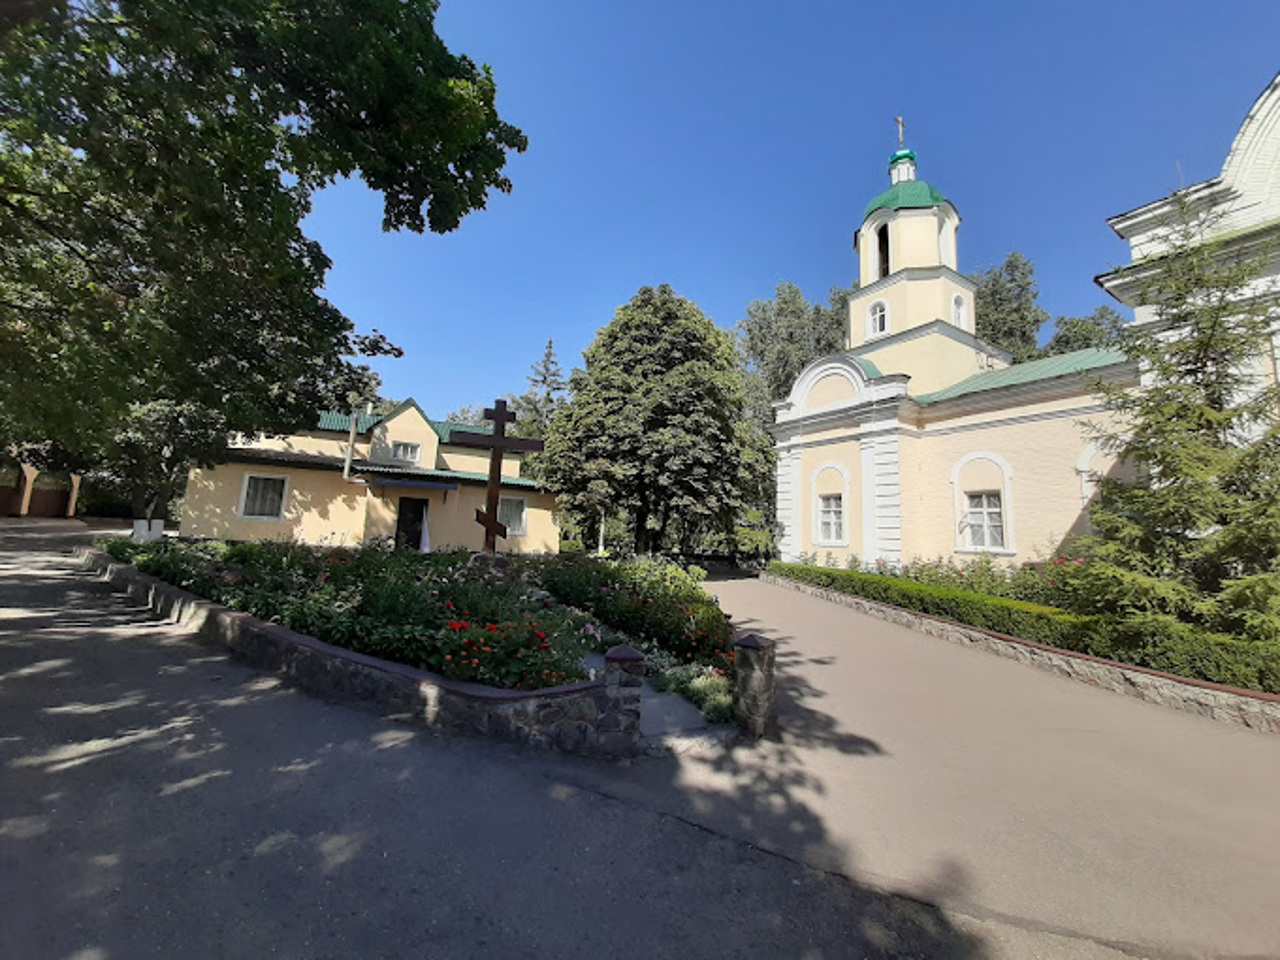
{"x":723,"y":146}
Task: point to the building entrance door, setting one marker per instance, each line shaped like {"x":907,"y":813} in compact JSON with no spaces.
{"x":411,"y":524}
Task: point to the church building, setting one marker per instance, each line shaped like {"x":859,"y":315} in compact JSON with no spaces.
{"x":921,"y":440}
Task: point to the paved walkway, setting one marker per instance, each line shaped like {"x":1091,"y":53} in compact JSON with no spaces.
{"x":160,"y":800}
{"x":1001,"y":790}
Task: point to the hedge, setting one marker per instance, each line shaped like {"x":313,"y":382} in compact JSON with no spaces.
{"x":1157,"y":642}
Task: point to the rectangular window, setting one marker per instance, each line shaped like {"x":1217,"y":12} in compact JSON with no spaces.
{"x":406,"y":451}
{"x":830,"y":518}
{"x":511,"y":511}
{"x":985,"y":520}
{"x":263,"y":497}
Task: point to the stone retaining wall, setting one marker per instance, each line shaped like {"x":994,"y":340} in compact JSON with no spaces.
{"x":595,"y":717}
{"x":1248,"y":708}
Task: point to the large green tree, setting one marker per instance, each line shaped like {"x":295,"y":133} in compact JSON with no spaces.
{"x":1006,"y":312}
{"x":1099,"y":329}
{"x":156,"y":160}
{"x":1192,"y":528}
{"x":655,"y":426}
{"x":782,"y":335}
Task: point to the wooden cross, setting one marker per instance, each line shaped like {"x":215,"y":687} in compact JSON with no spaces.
{"x":901,"y":126}
{"x":497,"y":443}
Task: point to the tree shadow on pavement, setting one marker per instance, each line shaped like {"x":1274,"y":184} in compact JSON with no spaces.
{"x":160,"y":799}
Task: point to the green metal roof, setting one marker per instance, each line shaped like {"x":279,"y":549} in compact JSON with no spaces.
{"x":341,"y":422}
{"x":320,"y":461}
{"x":338,"y":422}
{"x":903,"y":153}
{"x":464,"y":476}
{"x":868,"y":367}
{"x":1065,"y":364}
{"x":445,"y":429}
{"x":907,"y":195}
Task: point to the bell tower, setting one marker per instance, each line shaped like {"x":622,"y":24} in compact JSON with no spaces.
{"x":907,"y":258}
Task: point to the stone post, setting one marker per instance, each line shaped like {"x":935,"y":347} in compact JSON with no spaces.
{"x":619,"y":723}
{"x":75,"y":493}
{"x":29,"y":474}
{"x":753,"y":682}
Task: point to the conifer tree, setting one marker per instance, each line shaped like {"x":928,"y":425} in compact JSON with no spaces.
{"x":1190,"y":526}
{"x":1005,"y":308}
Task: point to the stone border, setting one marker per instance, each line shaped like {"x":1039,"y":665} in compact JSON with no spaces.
{"x":1248,"y":708}
{"x":593,"y":717}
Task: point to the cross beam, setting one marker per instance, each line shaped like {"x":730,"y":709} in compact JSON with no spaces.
{"x":497,"y":444}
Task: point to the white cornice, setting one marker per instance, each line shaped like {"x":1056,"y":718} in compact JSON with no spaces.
{"x":949,"y":330}
{"x":936,"y":272}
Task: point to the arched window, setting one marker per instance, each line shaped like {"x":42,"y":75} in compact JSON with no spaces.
{"x":957,"y":311}
{"x":878,"y":319}
{"x":882,"y":240}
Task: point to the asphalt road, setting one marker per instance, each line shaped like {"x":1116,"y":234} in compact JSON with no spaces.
{"x":160,"y":800}
{"x":1000,"y":790}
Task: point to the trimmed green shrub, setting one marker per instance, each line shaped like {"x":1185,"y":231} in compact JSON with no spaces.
{"x":1015,"y":617}
{"x":651,"y":600}
{"x":1157,"y":641}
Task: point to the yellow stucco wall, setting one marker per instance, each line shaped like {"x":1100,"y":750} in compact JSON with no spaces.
{"x":1042,"y":499}
{"x":932,"y":365}
{"x":408,"y":426}
{"x":832,"y":388}
{"x":817,"y":477}
{"x":475,"y":461}
{"x":1044,"y":445}
{"x":451,"y":518}
{"x":319,"y":507}
{"x":911,"y":304}
{"x":328,"y":444}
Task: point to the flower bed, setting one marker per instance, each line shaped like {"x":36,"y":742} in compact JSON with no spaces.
{"x":653,"y":601}
{"x":436,"y":613}
{"x":425,"y":610}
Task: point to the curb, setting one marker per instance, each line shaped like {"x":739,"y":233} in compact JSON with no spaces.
{"x":1247,"y":708}
{"x":564,"y":718}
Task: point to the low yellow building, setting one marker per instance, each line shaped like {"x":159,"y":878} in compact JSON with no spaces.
{"x":406,"y":480}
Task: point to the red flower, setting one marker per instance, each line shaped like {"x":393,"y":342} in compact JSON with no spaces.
{"x":540,"y":635}
{"x":449,"y":604}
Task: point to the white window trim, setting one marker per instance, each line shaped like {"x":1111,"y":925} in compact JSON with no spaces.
{"x":872,"y":332}
{"x":524,"y":513}
{"x":959,"y":312}
{"x":816,"y":505}
{"x":959,"y":499}
{"x":417,"y":451}
{"x":244,"y":493}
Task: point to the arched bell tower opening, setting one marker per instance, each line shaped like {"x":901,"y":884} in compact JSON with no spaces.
{"x":882,"y":248}
{"x":907,"y":263}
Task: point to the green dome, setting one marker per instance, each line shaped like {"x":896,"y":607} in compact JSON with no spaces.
{"x":907,"y":195}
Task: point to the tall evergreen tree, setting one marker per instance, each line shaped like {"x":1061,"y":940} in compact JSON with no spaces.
{"x":1101,"y":329}
{"x":1006,"y":312}
{"x":655,"y":425}
{"x":547,"y":388}
{"x":1194,"y":528}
